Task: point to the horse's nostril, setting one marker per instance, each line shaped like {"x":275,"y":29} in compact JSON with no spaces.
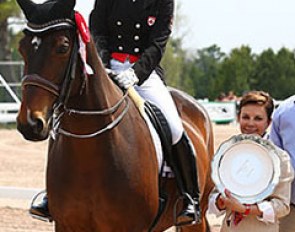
{"x":39,"y":125}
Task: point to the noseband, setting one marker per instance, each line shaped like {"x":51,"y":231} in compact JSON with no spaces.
{"x":36,"y":80}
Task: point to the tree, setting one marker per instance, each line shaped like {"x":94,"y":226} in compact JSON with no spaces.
{"x":285,"y":74}
{"x":174,"y":60}
{"x":275,"y":73}
{"x":237,"y":71}
{"x":172,"y":63}
{"x":206,"y":73}
{"x":9,"y":8}
{"x":266,"y":72}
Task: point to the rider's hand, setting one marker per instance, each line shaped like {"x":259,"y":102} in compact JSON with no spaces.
{"x":126,"y":78}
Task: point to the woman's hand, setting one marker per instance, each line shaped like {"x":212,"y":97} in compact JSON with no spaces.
{"x":232,"y":203}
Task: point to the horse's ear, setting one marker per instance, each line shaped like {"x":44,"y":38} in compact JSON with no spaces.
{"x":67,"y":6}
{"x":48,"y":10}
{"x":27,"y":7}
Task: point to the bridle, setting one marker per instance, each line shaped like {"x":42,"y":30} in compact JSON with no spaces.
{"x":62,"y":93}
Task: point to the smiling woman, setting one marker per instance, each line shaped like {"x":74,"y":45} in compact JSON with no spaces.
{"x":254,"y":116}
{"x":255,"y":112}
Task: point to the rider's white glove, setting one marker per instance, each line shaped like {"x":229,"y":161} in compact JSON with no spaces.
{"x":126,"y":78}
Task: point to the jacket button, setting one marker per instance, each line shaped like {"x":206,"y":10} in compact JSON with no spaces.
{"x":120,"y":48}
{"x":136,"y":37}
{"x":119,"y":23}
{"x":136,"y":50}
{"x":137,"y":25}
{"x":119,"y":36}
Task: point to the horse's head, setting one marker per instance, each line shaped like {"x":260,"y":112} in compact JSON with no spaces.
{"x":49,"y":49}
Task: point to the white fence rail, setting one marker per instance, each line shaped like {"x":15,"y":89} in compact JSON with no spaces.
{"x":8,"y":110}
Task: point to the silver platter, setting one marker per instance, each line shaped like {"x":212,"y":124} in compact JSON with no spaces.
{"x":248,"y":166}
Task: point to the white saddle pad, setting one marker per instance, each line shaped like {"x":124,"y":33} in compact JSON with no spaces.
{"x":167,"y":172}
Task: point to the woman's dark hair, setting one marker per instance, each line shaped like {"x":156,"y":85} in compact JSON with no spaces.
{"x":258,"y":98}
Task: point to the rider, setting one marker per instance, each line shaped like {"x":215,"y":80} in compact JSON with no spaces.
{"x":131,"y":36}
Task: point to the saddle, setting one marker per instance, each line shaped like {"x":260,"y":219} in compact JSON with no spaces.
{"x":161,"y":125}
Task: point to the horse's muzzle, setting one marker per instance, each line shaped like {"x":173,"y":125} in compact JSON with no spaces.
{"x":34,"y":128}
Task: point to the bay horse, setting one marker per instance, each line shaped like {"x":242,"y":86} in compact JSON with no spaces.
{"x":102,"y":169}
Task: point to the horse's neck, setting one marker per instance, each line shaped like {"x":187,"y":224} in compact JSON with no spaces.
{"x":99,"y":91}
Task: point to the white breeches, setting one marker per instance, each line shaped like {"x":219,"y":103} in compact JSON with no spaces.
{"x":154,"y":90}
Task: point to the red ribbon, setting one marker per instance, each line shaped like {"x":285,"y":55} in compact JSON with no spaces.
{"x":238,"y":217}
{"x":82,"y":27}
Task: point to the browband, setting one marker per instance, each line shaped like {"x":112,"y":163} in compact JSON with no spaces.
{"x":52,"y":25}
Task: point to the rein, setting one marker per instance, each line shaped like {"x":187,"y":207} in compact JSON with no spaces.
{"x":111,"y":125}
{"x":63,"y":93}
{"x":57,"y":117}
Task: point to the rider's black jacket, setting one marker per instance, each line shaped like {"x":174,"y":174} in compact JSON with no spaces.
{"x":136,"y":27}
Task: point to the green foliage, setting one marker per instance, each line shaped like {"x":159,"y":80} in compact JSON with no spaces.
{"x":208,"y":62}
{"x":275,"y":73}
{"x":9,"y":8}
{"x":172,"y":64}
{"x":15,"y":38}
{"x":265,"y":76}
{"x":237,"y":71}
{"x":208,"y":72}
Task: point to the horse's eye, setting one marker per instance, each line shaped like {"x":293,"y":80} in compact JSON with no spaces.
{"x":63,"y":45}
{"x":63,"y":48}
